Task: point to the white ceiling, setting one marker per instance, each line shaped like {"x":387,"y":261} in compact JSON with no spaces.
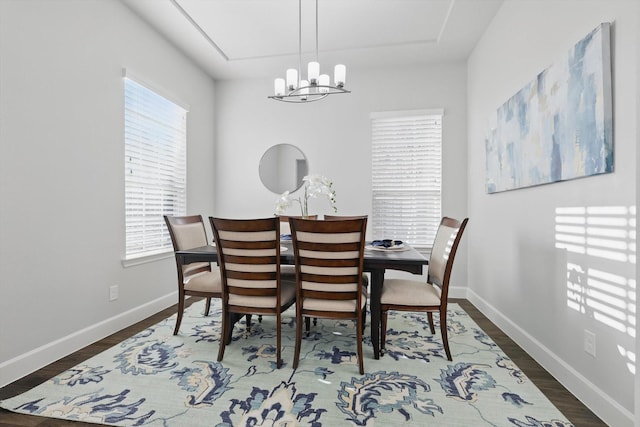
{"x":259,"y":38}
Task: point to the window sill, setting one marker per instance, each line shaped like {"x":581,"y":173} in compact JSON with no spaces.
{"x":146,"y":259}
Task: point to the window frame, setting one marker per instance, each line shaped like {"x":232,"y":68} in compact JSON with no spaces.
{"x":391,"y":153}
{"x":155,"y":146}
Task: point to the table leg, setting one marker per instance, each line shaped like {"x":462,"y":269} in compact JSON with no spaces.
{"x":377,"y":279}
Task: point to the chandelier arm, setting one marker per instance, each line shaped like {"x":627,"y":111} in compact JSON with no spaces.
{"x":314,"y":90}
{"x":298,"y":97}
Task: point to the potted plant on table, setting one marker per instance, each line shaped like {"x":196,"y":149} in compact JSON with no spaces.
{"x":314,"y":186}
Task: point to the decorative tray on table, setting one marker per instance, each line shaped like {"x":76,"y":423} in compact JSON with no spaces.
{"x":387,"y":245}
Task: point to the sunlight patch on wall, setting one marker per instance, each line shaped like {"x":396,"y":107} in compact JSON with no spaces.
{"x":631,"y":358}
{"x":601,"y":246}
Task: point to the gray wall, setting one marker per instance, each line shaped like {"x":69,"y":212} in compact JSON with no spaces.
{"x":518,"y":273}
{"x":335,"y":135}
{"x":62,"y":174}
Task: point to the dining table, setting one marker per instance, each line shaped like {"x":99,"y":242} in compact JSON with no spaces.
{"x":376,"y":261}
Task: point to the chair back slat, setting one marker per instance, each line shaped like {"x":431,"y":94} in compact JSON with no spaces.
{"x":341,"y":217}
{"x":284,"y":222}
{"x":329,"y":253}
{"x":329,"y":257}
{"x":248,"y":255}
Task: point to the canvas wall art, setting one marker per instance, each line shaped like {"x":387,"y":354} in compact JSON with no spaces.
{"x":558,"y":126}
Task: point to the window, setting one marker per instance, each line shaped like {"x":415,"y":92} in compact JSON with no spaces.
{"x":407,"y":175}
{"x":155,"y":134}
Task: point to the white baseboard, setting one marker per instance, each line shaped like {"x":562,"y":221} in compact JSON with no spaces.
{"x":37,"y":358}
{"x":457,"y":292}
{"x":610,"y":411}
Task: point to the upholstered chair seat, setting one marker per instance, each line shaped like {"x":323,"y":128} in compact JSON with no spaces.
{"x":400,"y":291}
{"x":208,"y":281}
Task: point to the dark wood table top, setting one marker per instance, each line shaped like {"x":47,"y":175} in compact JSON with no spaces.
{"x":406,"y":260}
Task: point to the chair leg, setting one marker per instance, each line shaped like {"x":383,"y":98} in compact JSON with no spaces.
{"x":224,"y":335}
{"x":364,"y":320}
{"x":443,"y":331}
{"x":278,"y":343}
{"x":431,"y":325}
{"x":248,"y":328}
{"x":359,"y":346}
{"x":180,"y":312}
{"x":383,"y":331}
{"x":296,"y":354}
{"x":207,"y":307}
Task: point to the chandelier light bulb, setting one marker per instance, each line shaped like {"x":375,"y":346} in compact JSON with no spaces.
{"x":278,"y":86}
{"x":340,"y":74}
{"x":304,"y":85}
{"x":324,"y":81}
{"x":313,"y":72}
{"x":292,"y":78}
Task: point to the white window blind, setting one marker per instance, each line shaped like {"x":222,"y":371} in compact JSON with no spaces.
{"x":406,"y":176}
{"x":155,"y":168}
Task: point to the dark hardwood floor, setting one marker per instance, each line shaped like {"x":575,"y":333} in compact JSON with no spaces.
{"x":570,"y":406}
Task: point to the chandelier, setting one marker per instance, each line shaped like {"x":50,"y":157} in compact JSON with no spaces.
{"x":317,"y":86}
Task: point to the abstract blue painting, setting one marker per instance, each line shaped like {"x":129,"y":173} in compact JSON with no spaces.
{"x":559,"y":126}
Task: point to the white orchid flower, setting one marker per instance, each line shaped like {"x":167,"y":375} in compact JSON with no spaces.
{"x":314,"y":186}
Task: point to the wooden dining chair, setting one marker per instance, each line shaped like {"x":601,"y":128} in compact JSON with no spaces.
{"x":338,"y":217}
{"x":430,"y":296}
{"x":195,"y":279}
{"x":329,"y":259}
{"x":249,"y":258}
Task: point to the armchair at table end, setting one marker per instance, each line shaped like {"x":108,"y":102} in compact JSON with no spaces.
{"x":195,"y":279}
{"x":429,"y":297}
{"x":249,"y":257}
{"x":329,"y":259}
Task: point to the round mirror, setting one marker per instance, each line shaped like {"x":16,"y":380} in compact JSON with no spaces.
{"x":282,"y":168}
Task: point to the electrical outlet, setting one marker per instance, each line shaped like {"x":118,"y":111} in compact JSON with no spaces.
{"x":590,"y":342}
{"x":113,"y":293}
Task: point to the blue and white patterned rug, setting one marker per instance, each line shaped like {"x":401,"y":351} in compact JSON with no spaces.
{"x":157,"y":379}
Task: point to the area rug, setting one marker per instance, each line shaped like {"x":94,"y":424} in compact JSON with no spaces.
{"x":157,"y":379}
